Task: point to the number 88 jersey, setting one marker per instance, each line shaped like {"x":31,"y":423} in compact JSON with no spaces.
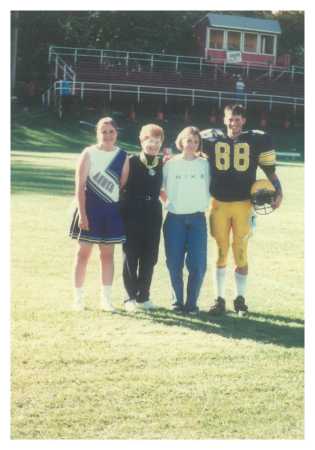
{"x":234,"y":162}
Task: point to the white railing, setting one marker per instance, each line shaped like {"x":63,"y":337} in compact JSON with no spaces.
{"x":159,"y":59}
{"x":46,"y":96}
{"x":84,"y":88}
{"x":63,"y":70}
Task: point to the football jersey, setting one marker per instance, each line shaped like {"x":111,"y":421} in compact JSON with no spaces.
{"x":234,"y":162}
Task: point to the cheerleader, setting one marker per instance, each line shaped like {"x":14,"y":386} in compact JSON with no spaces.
{"x":101,"y":172}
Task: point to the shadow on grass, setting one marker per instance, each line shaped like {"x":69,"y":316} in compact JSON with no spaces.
{"x":41,"y":139}
{"x":257,"y":327}
{"x":40,"y":179}
{"x":43,"y":132}
{"x":277,"y":318}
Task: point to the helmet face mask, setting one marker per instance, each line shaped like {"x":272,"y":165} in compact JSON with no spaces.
{"x":263,"y":194}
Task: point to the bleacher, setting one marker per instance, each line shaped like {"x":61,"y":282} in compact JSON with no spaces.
{"x":95,"y":71}
{"x":89,"y":70}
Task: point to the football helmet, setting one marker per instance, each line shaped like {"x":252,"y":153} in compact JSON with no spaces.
{"x":263,"y":194}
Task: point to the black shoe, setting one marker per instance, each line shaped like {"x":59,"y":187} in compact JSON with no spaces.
{"x":218,"y":308}
{"x":192,"y":311}
{"x":240,"y":306}
{"x":177,"y":307}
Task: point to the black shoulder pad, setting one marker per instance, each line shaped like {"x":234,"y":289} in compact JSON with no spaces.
{"x":257,"y":132}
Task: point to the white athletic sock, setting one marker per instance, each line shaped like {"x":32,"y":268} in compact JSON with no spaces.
{"x":106,"y":292}
{"x":240,"y":283}
{"x":78,"y":298}
{"x":220,"y":278}
{"x":78,"y":295}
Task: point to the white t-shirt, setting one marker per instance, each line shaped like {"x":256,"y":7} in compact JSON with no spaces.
{"x":240,"y":85}
{"x":186,"y":183}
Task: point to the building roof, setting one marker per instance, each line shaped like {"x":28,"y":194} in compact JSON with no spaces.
{"x":243,"y":23}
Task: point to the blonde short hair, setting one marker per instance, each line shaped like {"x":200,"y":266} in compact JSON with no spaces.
{"x":194,"y":131}
{"x":151,"y":130}
{"x":104,"y":121}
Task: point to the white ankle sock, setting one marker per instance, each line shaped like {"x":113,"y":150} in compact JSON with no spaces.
{"x":220,"y":278}
{"x":240,"y":282}
{"x":78,"y":294}
{"x":106,"y":292}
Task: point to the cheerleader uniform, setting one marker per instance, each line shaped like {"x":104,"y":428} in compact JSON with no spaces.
{"x":102,"y":199}
{"x":142,"y":215}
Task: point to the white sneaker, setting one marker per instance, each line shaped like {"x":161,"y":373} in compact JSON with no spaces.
{"x":106,"y":305}
{"x":130,"y":305}
{"x":146,"y":306}
{"x":78,"y":305}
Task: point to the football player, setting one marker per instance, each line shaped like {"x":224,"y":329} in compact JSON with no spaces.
{"x":234,"y":156}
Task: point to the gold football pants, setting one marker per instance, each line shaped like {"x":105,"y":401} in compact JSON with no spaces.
{"x":226,"y":217}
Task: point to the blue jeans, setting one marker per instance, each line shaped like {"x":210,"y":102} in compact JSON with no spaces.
{"x":185,"y":239}
{"x":239,"y":96}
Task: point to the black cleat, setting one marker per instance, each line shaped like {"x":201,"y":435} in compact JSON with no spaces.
{"x":177,"y":307}
{"x":218,"y":308}
{"x":240,"y":306}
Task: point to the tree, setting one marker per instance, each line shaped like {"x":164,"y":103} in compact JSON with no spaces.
{"x":292,"y":37}
{"x":151,"y":31}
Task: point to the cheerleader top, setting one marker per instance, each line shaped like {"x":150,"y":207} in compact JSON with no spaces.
{"x":105,"y":172}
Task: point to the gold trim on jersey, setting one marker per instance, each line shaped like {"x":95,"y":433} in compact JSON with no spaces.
{"x":267,"y":158}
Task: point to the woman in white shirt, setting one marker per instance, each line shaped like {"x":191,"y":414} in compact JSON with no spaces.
{"x":186,"y":181}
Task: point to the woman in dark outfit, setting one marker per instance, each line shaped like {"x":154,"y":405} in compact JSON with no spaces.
{"x":142,"y":215}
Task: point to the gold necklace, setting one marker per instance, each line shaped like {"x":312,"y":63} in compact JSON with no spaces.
{"x":149,"y":166}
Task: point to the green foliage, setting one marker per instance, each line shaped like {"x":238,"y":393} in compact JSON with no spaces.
{"x":151,"y":31}
{"x":292,"y":38}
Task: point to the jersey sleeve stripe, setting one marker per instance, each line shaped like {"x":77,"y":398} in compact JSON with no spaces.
{"x":267,"y":158}
{"x":269,"y":152}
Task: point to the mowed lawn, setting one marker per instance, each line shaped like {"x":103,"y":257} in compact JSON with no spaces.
{"x":93,"y":375}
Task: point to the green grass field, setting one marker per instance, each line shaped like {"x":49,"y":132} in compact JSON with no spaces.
{"x":93,"y":375}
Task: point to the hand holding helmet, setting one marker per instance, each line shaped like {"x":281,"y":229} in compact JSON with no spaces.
{"x":264,"y":197}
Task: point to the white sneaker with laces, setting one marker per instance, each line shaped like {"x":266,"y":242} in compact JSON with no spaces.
{"x":106,"y":305}
{"x":146,"y":306}
{"x":130,"y":305}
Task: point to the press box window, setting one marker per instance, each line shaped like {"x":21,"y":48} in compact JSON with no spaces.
{"x":250,"y":43}
{"x":234,"y":40}
{"x":267,"y":45}
{"x":216,"y":39}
